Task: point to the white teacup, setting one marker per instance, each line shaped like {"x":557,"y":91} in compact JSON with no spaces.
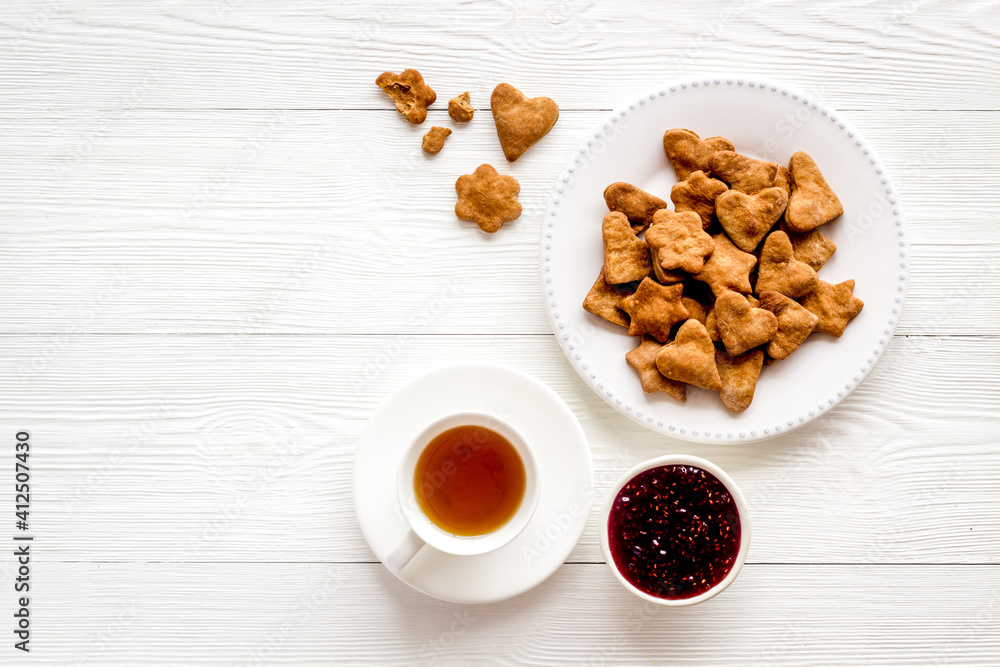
{"x":423,"y":532}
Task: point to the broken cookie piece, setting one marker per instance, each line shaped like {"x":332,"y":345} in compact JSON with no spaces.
{"x":433,"y":141}
{"x":408,"y":90}
{"x":460,"y":108}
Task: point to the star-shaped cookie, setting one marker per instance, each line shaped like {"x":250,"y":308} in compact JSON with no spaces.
{"x":744,"y":173}
{"x":654,"y":309}
{"x":643,"y":360}
{"x":728,"y":268}
{"x":688,"y":152}
{"x":834,"y":305}
{"x":487,"y":198}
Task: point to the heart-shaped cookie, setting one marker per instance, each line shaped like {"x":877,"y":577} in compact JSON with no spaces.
{"x":637,"y":204}
{"x":690,"y":357}
{"x":688,"y":152}
{"x":521,"y":121}
{"x":748,"y":218}
{"x":742,"y":327}
{"x":812,"y":202}
{"x":643,"y":360}
{"x":739,"y":377}
{"x":795,"y":323}
{"x":781,"y":272}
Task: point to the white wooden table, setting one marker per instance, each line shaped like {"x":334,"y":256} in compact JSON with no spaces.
{"x":220,"y":248}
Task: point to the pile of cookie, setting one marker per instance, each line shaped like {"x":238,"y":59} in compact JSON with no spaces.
{"x":484,"y":196}
{"x":726,"y":282}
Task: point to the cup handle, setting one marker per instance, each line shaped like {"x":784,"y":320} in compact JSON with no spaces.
{"x":404,"y":552}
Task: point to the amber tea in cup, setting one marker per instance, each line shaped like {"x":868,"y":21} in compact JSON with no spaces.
{"x":469,"y":480}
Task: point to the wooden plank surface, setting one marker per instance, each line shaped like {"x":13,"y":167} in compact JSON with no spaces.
{"x":220,"y":248}
{"x":228,"y":446}
{"x":304,"y":54}
{"x":321,"y":614}
{"x":264,"y":222}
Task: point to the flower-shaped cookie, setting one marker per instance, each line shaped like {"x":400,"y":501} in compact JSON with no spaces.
{"x":698,"y":193}
{"x":487,"y":198}
{"x":678,"y":241}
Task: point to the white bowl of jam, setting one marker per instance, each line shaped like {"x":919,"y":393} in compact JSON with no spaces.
{"x":675,"y":530}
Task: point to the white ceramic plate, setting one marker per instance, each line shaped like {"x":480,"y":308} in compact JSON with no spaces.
{"x":767,"y":120}
{"x":565,"y":478}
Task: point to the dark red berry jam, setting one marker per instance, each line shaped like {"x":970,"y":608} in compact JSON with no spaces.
{"x":674,"y":531}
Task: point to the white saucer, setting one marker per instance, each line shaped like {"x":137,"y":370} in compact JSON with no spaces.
{"x":565,"y":469}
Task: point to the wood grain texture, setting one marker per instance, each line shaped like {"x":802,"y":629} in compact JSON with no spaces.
{"x":266,"y":222}
{"x":124,"y":614}
{"x":231,"y":446}
{"x":247,"y":54}
{"x":220,"y":248}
